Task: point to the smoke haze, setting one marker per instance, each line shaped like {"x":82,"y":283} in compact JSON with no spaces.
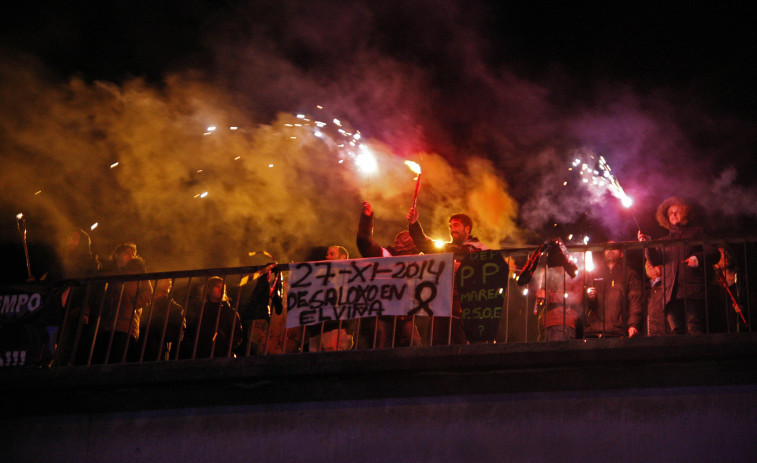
{"x":423,"y":82}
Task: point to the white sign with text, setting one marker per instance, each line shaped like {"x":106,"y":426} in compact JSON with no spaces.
{"x":345,"y":289}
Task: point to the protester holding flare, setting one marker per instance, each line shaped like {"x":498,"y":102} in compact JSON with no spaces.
{"x":615,"y":306}
{"x":683,"y":267}
{"x":460,"y":231}
{"x":403,"y":243}
{"x":462,"y":242}
{"x":405,"y":328}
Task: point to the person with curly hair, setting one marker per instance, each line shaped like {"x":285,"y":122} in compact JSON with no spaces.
{"x":683,"y":266}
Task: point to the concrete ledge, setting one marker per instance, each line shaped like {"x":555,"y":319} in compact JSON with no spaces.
{"x":713,"y":360}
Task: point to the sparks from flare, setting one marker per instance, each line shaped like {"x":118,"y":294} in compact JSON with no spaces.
{"x":338,"y":135}
{"x":333,"y":131}
{"x":603,"y":180}
{"x":589,"y":262}
{"x":365,"y":161}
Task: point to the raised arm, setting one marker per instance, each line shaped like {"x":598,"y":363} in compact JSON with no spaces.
{"x":365,"y":243}
{"x":422,"y":242}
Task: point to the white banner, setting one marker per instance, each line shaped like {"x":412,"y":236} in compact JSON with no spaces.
{"x":345,"y":289}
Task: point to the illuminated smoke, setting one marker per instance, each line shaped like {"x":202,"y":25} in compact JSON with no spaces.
{"x":192,"y":194}
{"x":136,"y":157}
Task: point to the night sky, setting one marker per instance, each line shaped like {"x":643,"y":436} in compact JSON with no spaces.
{"x":494,"y":100}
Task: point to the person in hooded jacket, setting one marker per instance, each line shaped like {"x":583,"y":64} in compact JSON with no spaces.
{"x":683,"y":264}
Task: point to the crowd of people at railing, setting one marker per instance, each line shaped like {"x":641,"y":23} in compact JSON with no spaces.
{"x":689,"y":286}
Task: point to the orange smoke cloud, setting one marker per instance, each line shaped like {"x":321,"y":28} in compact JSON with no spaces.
{"x":192,"y":197}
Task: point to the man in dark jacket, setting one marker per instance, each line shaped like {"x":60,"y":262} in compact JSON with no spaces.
{"x":460,"y":230}
{"x":615,"y":308}
{"x":462,"y":242}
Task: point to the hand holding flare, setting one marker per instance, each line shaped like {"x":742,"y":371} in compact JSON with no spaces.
{"x":591,"y":291}
{"x":415,"y":167}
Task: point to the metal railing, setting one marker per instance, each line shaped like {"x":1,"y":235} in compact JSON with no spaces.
{"x":183,"y":315}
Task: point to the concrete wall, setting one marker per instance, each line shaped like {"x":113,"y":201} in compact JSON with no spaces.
{"x":693,"y":408}
{"x":681,"y":424}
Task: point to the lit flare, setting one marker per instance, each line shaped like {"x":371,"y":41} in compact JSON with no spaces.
{"x":416,"y":168}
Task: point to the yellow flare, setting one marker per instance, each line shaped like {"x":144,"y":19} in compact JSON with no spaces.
{"x":414,"y":166}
